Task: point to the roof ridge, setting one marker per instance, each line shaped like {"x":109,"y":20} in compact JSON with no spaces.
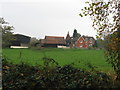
{"x":55,"y":36}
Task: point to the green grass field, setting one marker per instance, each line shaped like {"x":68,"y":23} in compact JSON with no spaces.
{"x":63,"y":56}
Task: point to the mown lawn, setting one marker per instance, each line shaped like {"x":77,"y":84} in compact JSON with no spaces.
{"x":63,"y":56}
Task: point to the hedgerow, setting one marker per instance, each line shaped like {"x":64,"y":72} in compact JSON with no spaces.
{"x":26,"y":77}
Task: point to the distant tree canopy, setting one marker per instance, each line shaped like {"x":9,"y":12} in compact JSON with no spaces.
{"x":75,"y":33}
{"x":33,"y":42}
{"x":98,"y":43}
{"x":106,"y":19}
{"x":7,"y":35}
{"x":75,"y":36}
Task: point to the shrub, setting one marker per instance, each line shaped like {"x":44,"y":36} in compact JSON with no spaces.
{"x":27,"y":77}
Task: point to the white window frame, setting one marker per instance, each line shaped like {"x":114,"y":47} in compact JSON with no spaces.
{"x":90,"y":44}
{"x":86,"y":39}
{"x":91,"y":40}
{"x":81,"y":45}
{"x":81,"y":41}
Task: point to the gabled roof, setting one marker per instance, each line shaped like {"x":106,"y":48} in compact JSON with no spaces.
{"x":53,"y":40}
{"x":21,"y":35}
{"x":87,"y":37}
{"x":21,"y":38}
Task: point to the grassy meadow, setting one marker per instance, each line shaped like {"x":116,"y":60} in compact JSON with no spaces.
{"x":80,"y":57}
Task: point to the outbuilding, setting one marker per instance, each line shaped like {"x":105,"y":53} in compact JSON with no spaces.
{"x":52,"y":41}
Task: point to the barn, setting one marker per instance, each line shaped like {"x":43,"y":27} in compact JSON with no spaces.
{"x":21,"y":40}
{"x":52,"y":41}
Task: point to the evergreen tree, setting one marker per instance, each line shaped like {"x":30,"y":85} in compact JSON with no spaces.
{"x":75,"y":33}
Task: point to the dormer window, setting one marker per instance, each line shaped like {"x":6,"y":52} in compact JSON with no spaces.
{"x":91,"y":40}
{"x":86,"y":39}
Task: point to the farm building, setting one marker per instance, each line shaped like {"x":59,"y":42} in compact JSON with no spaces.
{"x":84,"y":42}
{"x":52,"y":41}
{"x":21,"y":40}
{"x":79,"y":42}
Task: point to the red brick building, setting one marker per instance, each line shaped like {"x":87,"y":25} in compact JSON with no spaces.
{"x":84,"y":42}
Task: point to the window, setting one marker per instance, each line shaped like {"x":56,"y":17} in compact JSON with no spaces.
{"x":81,"y":45}
{"x":90,"y":44}
{"x":80,"y":41}
{"x":91,"y":40}
{"x":86,"y":39}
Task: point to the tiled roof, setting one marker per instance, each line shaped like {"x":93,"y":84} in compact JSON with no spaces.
{"x":53,"y":40}
{"x":21,"y":35}
{"x":88,"y":37}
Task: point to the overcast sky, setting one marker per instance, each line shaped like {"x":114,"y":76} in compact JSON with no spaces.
{"x":37,"y":18}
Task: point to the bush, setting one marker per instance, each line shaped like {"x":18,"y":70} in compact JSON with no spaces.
{"x":27,"y":77}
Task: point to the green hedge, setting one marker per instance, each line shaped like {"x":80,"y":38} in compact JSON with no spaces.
{"x":27,"y":77}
